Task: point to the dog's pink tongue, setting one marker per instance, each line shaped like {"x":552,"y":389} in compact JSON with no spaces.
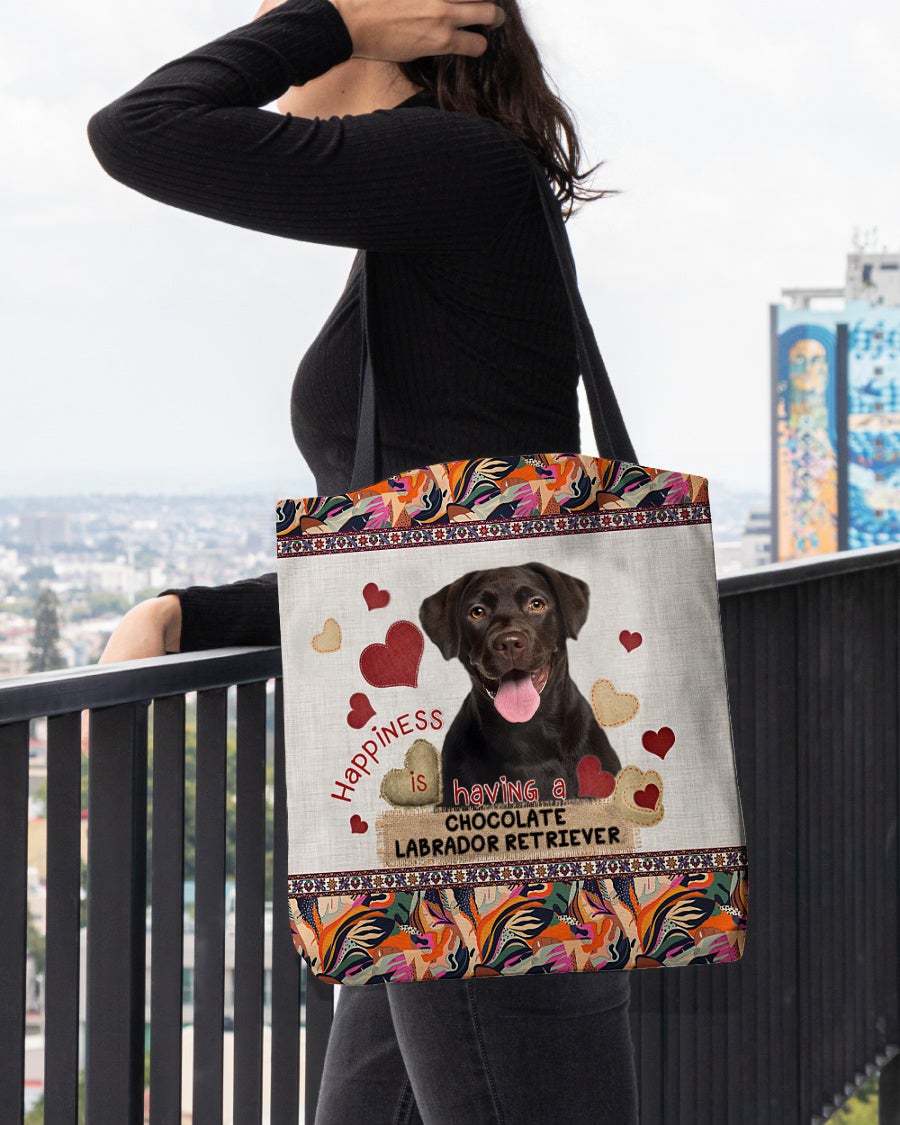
{"x":517,"y":698}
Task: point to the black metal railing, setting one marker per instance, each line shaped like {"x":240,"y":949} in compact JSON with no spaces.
{"x":118,"y":697}
{"x":780,"y":1037}
{"x":813,"y":657}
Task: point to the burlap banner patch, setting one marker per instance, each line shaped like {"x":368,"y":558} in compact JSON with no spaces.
{"x":413,"y":837}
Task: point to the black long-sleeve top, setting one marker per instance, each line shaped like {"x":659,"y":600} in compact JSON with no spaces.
{"x":469,"y":321}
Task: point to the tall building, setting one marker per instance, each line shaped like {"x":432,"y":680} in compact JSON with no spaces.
{"x":836,"y":412}
{"x":756,"y":540}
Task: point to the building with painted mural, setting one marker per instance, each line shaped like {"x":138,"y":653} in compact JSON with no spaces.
{"x":836,"y":412}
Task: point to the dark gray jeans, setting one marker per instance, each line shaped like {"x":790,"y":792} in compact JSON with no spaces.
{"x":489,"y":1051}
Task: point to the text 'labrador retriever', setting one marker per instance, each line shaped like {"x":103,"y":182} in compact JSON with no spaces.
{"x":524,"y":718}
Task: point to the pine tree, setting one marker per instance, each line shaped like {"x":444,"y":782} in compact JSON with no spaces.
{"x":45,"y":655}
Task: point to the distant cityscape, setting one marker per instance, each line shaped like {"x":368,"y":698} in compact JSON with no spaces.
{"x":101,"y":554}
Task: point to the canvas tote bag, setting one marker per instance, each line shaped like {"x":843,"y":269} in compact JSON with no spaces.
{"x":509,"y":747}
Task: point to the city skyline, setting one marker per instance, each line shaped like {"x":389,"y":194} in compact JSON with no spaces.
{"x":101,"y":553}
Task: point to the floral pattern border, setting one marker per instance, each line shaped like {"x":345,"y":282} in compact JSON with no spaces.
{"x":622,"y":922}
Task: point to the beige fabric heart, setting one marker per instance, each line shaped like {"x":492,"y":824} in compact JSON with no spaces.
{"x":612,"y":708}
{"x":329,"y":640}
{"x":418,"y":782}
{"x":635,"y":796}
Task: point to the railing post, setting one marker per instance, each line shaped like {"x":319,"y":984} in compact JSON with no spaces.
{"x":285,"y":959}
{"x":14,"y":898}
{"x":63,"y":917}
{"x":319,"y":1016}
{"x":117,"y":902}
{"x":209,"y":910}
{"x":250,"y":877}
{"x":166,"y":959}
{"x":889,"y":1092}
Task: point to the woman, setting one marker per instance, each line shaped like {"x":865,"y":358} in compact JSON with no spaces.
{"x":405,"y":134}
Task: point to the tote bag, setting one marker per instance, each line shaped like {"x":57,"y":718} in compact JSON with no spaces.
{"x":508,"y":742}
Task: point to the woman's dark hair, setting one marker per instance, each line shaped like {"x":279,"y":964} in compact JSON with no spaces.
{"x":508,"y":83}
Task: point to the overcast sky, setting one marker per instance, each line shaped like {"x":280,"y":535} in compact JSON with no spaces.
{"x":145,"y":348}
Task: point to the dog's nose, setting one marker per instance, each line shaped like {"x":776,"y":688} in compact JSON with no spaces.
{"x":509,"y":645}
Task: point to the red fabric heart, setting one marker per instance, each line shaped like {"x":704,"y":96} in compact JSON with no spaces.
{"x":647,"y":797}
{"x":593,"y":779}
{"x":358,"y":825}
{"x":630,"y":641}
{"x":361,"y":710}
{"x":396,"y":662}
{"x":658,"y":742}
{"x":375,"y":598}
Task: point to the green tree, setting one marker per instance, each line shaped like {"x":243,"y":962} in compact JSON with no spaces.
{"x":97,"y":605}
{"x":41,"y":572}
{"x":45,"y":655}
{"x":35,"y":1116}
{"x":861,"y":1108}
{"x":36,"y":945}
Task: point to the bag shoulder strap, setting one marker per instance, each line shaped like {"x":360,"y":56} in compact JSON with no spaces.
{"x":609,"y":428}
{"x":608,"y":424}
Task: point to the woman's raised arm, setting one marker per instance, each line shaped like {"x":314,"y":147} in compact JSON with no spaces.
{"x":420,"y":179}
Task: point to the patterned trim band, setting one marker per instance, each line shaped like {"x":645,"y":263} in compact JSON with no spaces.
{"x":483,"y":530}
{"x":504,"y":874}
{"x":445,"y":502}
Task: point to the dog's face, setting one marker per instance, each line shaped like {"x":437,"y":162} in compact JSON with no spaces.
{"x":508,"y":626}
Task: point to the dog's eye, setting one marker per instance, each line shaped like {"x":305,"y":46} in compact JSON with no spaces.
{"x":477,"y":611}
{"x":537,"y":604}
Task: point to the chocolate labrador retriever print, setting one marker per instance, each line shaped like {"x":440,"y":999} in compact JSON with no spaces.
{"x":524,"y":717}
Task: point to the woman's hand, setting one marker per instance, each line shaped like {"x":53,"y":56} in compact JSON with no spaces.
{"x":402,"y":30}
{"x":410,"y":29}
{"x":151,"y":628}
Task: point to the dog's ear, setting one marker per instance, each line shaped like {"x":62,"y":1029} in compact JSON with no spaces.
{"x":439,"y":615}
{"x":572,"y":596}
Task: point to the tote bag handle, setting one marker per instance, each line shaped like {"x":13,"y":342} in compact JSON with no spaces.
{"x":610,"y":433}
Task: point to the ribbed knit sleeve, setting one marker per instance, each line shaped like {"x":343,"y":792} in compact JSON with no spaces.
{"x":238,"y":613}
{"x":192,"y":135}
